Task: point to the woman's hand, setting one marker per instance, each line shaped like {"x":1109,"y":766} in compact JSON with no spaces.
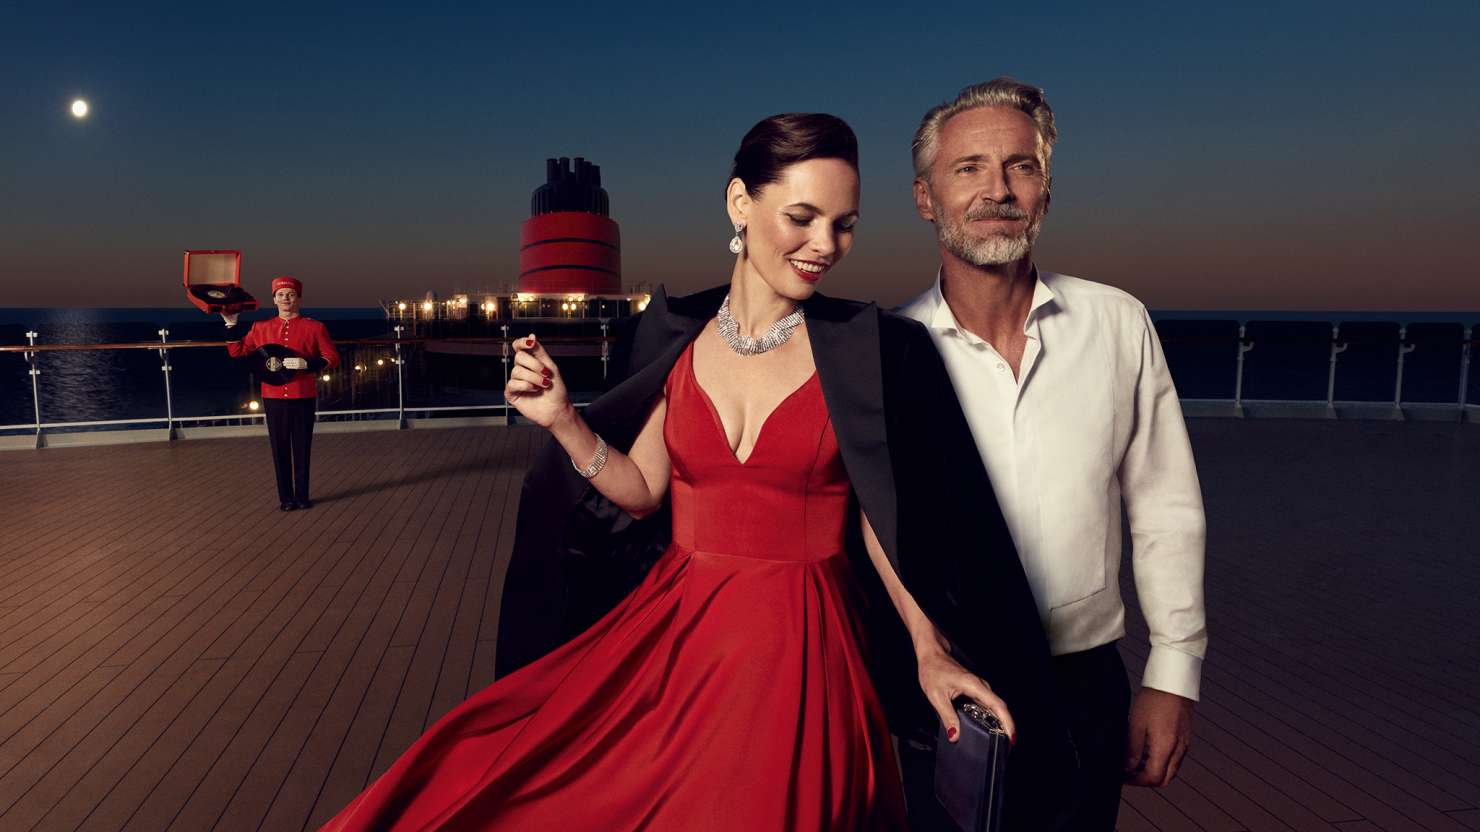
{"x":943,"y":679}
{"x":535,"y":387}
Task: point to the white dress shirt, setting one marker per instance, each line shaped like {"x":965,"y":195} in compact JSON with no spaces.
{"x":1092,"y":418}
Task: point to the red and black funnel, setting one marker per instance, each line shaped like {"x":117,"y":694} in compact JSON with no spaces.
{"x":570,"y":245}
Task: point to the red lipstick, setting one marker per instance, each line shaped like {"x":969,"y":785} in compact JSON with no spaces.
{"x":810,"y":277}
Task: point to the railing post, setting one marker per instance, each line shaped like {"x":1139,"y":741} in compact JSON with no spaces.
{"x":400,"y":383}
{"x":1336,"y":349}
{"x":1238,"y":382}
{"x":1403,"y":349}
{"x":504,"y":351}
{"x":169,"y":401}
{"x":35,"y":387}
{"x":605,"y":350}
{"x":1464,"y":371}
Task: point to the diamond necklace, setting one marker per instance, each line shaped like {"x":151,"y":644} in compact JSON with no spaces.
{"x":775,"y":335}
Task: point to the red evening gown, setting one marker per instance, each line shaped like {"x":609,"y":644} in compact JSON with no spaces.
{"x":727,"y":692}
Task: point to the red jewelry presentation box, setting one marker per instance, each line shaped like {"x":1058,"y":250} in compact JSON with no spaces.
{"x":213,"y":282}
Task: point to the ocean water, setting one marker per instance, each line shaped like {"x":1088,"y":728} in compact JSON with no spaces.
{"x":129,"y":384}
{"x":1290,"y":361}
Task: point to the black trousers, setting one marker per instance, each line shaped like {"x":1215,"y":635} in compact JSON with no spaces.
{"x":1096,"y":697}
{"x":290,"y":431}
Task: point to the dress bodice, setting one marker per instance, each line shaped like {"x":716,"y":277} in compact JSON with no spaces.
{"x":787,"y":501}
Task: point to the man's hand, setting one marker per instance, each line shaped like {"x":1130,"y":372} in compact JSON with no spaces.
{"x":1160,"y":734}
{"x":295,"y":363}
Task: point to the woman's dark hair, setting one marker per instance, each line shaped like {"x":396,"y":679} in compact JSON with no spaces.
{"x":781,"y":141}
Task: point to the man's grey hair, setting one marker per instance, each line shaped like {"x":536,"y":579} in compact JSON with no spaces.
{"x":998,"y":92}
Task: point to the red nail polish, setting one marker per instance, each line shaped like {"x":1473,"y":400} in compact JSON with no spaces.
{"x":545,"y":383}
{"x":950,"y":733}
{"x":1011,"y":740}
{"x":546,"y":371}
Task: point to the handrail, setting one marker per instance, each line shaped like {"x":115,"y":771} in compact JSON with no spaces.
{"x":155,"y":345}
{"x":1238,"y":343}
{"x":607,"y":339}
{"x":169,"y":420}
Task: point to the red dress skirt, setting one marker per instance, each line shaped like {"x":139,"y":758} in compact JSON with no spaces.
{"x":727,"y":692}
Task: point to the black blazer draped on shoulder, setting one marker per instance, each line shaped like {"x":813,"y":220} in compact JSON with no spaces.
{"x":915,"y":471}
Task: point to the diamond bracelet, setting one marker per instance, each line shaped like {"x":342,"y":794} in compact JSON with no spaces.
{"x":598,"y":461}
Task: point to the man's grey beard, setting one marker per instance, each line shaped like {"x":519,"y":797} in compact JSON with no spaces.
{"x":993,"y":249}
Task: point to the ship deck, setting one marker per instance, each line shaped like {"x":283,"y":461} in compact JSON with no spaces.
{"x":175,"y":653}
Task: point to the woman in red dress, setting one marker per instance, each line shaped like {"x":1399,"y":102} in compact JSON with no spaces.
{"x":729,"y":691}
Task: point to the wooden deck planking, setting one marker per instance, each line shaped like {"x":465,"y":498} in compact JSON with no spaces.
{"x":1332,"y":693}
{"x":1436,"y":759}
{"x":287,"y":558}
{"x":1433,"y":681}
{"x":297,"y":794}
{"x":56,"y":599}
{"x":256,"y":769}
{"x":1377,"y":794}
{"x":157,"y":675}
{"x":116,"y":510}
{"x":216,"y":607}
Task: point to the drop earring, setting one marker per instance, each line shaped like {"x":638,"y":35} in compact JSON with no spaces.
{"x":737,"y":245}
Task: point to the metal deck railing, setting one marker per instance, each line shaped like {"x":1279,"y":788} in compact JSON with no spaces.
{"x":1201,"y":354}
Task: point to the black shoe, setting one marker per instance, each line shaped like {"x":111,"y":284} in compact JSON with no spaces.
{"x":287,"y":506}
{"x":305,"y":504}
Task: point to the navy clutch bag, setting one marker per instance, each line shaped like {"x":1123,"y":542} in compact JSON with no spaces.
{"x":971,"y":773}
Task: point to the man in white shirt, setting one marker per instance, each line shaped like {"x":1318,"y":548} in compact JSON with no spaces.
{"x":1069,"y":399}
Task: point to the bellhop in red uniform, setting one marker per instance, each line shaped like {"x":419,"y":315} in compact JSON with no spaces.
{"x":290,"y":406}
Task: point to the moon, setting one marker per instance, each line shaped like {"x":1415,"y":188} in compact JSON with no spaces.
{"x":79,"y":108}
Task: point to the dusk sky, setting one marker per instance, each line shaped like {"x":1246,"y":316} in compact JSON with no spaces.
{"x":1211,"y":156}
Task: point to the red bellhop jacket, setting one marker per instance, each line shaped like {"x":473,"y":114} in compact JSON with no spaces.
{"x":305,"y":336}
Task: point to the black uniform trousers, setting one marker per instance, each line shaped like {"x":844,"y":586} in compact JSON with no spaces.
{"x":1096,"y":697}
{"x":290,"y":431}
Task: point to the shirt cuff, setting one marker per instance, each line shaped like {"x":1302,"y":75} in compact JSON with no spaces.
{"x":1173,"y":671}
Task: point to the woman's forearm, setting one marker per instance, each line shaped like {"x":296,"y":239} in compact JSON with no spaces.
{"x":942,"y":678}
{"x":621,"y":480}
{"x":923,"y":633}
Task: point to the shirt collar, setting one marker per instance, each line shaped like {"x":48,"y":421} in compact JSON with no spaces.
{"x":941,"y":318}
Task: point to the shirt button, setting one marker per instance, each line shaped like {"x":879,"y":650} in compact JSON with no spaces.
{"x":1001,"y":366}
